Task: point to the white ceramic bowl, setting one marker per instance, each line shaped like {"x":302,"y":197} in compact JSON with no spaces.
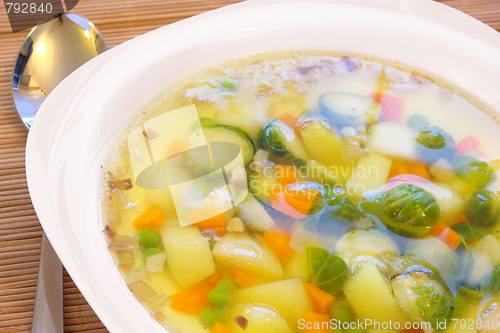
{"x":72,"y":135}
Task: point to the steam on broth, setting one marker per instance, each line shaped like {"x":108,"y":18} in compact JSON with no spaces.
{"x":366,"y":197}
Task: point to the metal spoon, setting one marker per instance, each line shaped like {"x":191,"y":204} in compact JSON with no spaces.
{"x":55,"y":48}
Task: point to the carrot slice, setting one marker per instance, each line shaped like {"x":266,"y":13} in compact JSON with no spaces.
{"x":288,"y":119}
{"x":447,"y":235}
{"x":212,"y":279}
{"x":322,"y":300}
{"x":278,"y":240}
{"x":398,"y":169}
{"x":469,"y":142}
{"x":243,"y":277}
{"x":220,"y":328}
{"x":205,"y":219}
{"x":152,"y":217}
{"x":420,"y":170}
{"x":288,"y":175}
{"x":294,"y":203}
{"x":176,"y":147}
{"x":193,"y":299}
{"x":315,"y":323}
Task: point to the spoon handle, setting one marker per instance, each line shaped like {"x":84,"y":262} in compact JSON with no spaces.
{"x":48,"y":310}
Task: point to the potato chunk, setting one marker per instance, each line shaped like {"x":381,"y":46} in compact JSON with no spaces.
{"x":371,"y":297}
{"x":240,"y":250}
{"x":259,"y":319}
{"x":188,"y":254}
{"x":288,"y":297}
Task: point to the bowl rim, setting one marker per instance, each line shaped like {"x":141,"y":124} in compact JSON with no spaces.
{"x":48,"y":162}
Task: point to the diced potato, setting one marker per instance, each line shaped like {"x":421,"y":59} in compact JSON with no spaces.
{"x":289,"y":297}
{"x":240,"y":250}
{"x":393,"y":139}
{"x":188,"y":254}
{"x":297,"y":266}
{"x":371,"y":297}
{"x":460,"y":187}
{"x":450,"y":205}
{"x":322,"y":144}
{"x":370,"y":173}
{"x":261,"y":319}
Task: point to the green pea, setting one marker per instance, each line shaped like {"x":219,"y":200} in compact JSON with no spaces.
{"x":148,"y":238}
{"x":228,"y":282}
{"x":219,"y":296}
{"x":461,"y":306}
{"x":151,"y":251}
{"x":417,"y":120}
{"x":229,"y":83}
{"x":342,"y":314}
{"x":211,"y":316}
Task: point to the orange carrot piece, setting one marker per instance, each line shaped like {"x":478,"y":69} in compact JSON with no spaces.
{"x":398,"y":169}
{"x":296,"y":204}
{"x":315,"y":323}
{"x":287,"y":176}
{"x":322,"y":300}
{"x":412,"y":330}
{"x":465,"y":144}
{"x":205,"y":219}
{"x":420,"y":169}
{"x":278,"y":240}
{"x":152,"y":217}
{"x":212,"y":279}
{"x":447,"y":235}
{"x":243,"y":277}
{"x":288,"y":119}
{"x":220,"y":328}
{"x":193,"y":299}
{"x":176,"y":147}
{"x":301,"y":201}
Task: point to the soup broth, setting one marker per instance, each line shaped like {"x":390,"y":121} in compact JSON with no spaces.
{"x":308,"y":193}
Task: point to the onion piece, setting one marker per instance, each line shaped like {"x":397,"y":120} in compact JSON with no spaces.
{"x":142,"y":291}
{"x":157,"y":301}
{"x":156,"y":262}
{"x":124,"y":243}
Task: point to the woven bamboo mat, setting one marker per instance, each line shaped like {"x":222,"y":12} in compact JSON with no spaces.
{"x":20,"y":231}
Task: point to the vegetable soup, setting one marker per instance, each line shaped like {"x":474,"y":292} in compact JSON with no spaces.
{"x":309,"y":192}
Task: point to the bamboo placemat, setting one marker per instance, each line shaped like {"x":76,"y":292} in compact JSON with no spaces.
{"x":20,"y":231}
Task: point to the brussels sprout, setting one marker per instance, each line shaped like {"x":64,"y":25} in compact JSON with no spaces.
{"x":473,"y":171}
{"x":483,"y":277}
{"x":328,"y":271}
{"x":470,"y":231}
{"x":436,"y":253}
{"x":280,"y":139}
{"x":483,"y":208}
{"x":423,"y":297}
{"x":409,"y":211}
{"x":372,"y":205}
{"x":340,"y":206}
{"x":434,"y":143}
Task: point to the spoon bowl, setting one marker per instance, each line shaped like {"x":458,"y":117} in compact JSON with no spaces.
{"x":55,"y":48}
